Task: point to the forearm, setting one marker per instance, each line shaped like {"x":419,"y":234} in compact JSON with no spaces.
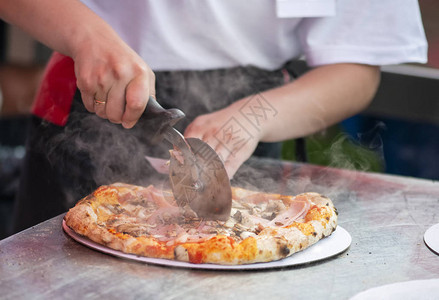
{"x":318,"y":99}
{"x":63,"y":25}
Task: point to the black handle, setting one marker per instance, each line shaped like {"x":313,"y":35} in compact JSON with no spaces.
{"x":157,"y":118}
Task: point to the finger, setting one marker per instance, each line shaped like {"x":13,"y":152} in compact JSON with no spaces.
{"x":87,"y":94}
{"x":227,"y":158}
{"x":88,"y":100}
{"x":87,"y":89}
{"x":100,"y":103}
{"x":223,"y":153}
{"x":115,"y":106}
{"x":137,"y":94}
{"x":94,"y":85}
{"x":151,"y":78}
{"x":234,"y":160}
{"x":231,"y":168}
{"x":198,"y":128}
{"x":191,"y":131}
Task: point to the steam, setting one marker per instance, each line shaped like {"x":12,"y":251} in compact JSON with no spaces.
{"x":90,"y":151}
{"x":291,"y":179}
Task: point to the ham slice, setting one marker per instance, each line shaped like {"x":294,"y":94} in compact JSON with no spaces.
{"x":159,"y":164}
{"x":257,"y":198}
{"x":166,"y":233}
{"x":156,"y":195}
{"x":177,"y":155}
{"x":159,"y":198}
{"x":297,"y":210}
{"x":164,"y":215}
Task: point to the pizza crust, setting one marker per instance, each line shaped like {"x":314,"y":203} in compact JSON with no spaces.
{"x":94,"y":215}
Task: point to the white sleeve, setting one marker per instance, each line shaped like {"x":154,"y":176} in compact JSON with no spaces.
{"x":375,"y":32}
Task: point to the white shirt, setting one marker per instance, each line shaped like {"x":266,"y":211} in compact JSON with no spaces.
{"x":210,"y":34}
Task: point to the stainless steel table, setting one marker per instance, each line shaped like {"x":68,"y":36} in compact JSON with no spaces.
{"x":386,"y":216}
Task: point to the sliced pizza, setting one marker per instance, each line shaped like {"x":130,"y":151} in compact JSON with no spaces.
{"x":146,"y":221}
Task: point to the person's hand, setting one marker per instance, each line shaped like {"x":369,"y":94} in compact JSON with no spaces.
{"x":114,"y":81}
{"x":228,"y":133}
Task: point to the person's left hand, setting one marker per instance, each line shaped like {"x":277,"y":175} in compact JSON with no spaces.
{"x":228,"y":133}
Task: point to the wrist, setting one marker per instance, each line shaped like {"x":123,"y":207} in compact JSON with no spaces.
{"x":249,"y":116}
{"x":258,"y":113}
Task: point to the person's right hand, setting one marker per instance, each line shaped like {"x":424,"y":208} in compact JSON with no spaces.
{"x":114,"y":81}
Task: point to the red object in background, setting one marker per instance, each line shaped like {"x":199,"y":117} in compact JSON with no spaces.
{"x":55,"y":95}
{"x":433,"y":53}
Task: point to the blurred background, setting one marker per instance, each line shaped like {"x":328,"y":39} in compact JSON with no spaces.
{"x":397,"y":134}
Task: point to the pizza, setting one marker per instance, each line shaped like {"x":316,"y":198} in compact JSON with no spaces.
{"x":146,"y":221}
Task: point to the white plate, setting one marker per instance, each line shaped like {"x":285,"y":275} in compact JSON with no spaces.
{"x":336,"y":243}
{"x":431,"y":238}
{"x":407,"y":290}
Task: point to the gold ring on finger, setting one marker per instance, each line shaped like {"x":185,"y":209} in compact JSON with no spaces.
{"x":100,"y":102}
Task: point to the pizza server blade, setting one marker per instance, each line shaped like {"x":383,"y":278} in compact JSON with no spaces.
{"x":196,"y":172}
